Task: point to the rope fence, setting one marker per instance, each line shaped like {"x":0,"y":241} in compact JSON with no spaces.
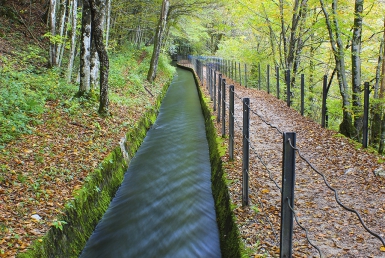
{"x":217,"y":87}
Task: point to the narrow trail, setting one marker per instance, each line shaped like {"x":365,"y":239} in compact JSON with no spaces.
{"x":348,"y":169}
{"x":164,"y":207}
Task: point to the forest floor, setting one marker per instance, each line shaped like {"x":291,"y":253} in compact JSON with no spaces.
{"x":41,"y":172}
{"x":348,"y":168}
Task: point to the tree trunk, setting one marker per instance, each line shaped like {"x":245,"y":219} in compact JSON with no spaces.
{"x":85,"y":50}
{"x":73,"y":40}
{"x":376,"y":110}
{"x":52,"y":45}
{"x":356,"y":66}
{"x":158,"y":41}
{"x":108,"y":23}
{"x":346,"y":127}
{"x":272,"y":37}
{"x":296,"y":39}
{"x":94,"y":67}
{"x":63,"y":12}
{"x":382,"y":95}
{"x":97,"y":10}
{"x":283,"y":34}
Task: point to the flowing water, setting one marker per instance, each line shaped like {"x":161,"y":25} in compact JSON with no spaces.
{"x":164,"y":207}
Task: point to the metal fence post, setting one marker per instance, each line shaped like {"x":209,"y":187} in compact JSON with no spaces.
{"x":235,"y":71}
{"x":287,"y":198}
{"x":302,"y":94}
{"x":223,"y":107}
{"x":231,"y":122}
{"x":324,"y":97}
{"x":277,"y":74}
{"x":219,"y":98}
{"x":268,"y":79}
{"x":246,"y":152}
{"x":246,"y":75}
{"x":288,"y":92}
{"x":215,"y":90}
{"x":259,"y":76}
{"x":366,"y":116}
{"x":211,"y":83}
{"x":240,"y":74}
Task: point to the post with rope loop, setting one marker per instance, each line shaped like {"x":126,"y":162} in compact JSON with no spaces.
{"x":234,"y":77}
{"x":302,"y":94}
{"x":201,"y":71}
{"x":288,"y":92}
{"x":207,"y":78}
{"x":287,"y":195}
{"x":324,"y":97}
{"x":240,"y":74}
{"x":246,"y":152}
{"x":366,"y":116}
{"x":277,"y":77}
{"x":231,"y":122}
{"x":212,"y":72}
{"x":259,"y":76}
{"x":268,"y":78}
{"x":223,"y":108}
{"x":246,"y":75}
{"x":215,"y":90}
{"x":219,"y":99}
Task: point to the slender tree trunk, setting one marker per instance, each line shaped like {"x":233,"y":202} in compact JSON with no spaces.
{"x":97,"y":10}
{"x":85,"y":50}
{"x":52,"y":45}
{"x":272,"y":36}
{"x":108,"y":23}
{"x":283,"y":34}
{"x":376,"y":109}
{"x":94,"y":67}
{"x":73,"y":39}
{"x":296,"y":41}
{"x":63,"y":12}
{"x":382,"y":95}
{"x":346,"y":127}
{"x":158,"y":41}
{"x":356,"y":66}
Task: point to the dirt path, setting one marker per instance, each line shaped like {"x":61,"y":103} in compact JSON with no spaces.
{"x":348,"y":169}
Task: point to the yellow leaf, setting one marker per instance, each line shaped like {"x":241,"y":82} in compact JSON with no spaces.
{"x":382,"y":248}
{"x":264,"y":191}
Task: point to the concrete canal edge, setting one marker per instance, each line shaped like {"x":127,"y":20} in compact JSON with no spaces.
{"x":82,"y":214}
{"x":228,"y":230}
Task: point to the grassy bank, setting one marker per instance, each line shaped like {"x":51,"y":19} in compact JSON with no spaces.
{"x":53,"y":168}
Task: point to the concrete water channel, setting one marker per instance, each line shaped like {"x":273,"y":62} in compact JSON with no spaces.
{"x":165,"y":206}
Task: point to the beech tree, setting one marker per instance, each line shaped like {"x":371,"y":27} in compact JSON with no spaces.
{"x":73,"y":39}
{"x":97,"y":12}
{"x":85,"y":50}
{"x":52,"y":45}
{"x":356,"y":65}
{"x":158,"y":40}
{"x":335,"y":39}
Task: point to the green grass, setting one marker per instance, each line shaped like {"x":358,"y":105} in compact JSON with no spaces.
{"x":26,"y":85}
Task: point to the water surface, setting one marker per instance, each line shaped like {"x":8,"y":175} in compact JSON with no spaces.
{"x":164,"y":207}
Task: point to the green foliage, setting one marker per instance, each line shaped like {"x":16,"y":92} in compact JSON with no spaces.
{"x":24,"y":92}
{"x":59,"y":224}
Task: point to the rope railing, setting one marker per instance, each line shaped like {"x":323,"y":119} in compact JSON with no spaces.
{"x":287,"y":209}
{"x":336,"y":197}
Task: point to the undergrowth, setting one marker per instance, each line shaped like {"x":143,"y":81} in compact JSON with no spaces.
{"x":26,"y":85}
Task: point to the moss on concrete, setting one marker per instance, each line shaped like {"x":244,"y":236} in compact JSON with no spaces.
{"x":84,"y":212}
{"x":229,"y":235}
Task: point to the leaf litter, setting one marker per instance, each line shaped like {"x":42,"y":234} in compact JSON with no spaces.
{"x":41,"y":172}
{"x":348,"y":169}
